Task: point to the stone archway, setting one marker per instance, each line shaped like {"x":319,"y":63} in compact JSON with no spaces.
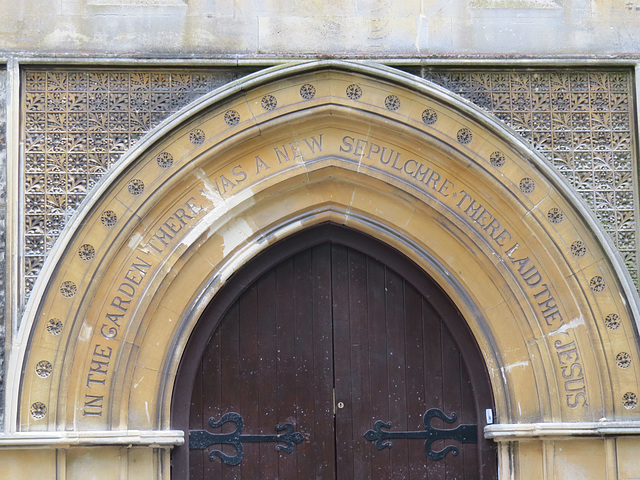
{"x":544,"y":295}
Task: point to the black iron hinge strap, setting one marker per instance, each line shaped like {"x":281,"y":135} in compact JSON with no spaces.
{"x":462,"y":434}
{"x":201,"y":439}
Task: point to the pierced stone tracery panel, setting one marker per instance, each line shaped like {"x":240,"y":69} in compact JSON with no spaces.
{"x":76,"y":124}
{"x":581,"y":121}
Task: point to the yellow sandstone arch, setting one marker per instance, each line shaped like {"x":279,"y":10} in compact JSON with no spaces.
{"x":366,"y":146}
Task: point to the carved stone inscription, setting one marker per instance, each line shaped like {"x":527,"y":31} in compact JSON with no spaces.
{"x":272,"y":160}
{"x":488,"y":224}
{"x":123,"y":299}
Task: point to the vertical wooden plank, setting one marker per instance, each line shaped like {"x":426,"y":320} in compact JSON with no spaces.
{"x":291,"y":291}
{"x":452,"y":400}
{"x":211,"y":375}
{"x":250,"y":313}
{"x":292,"y":402}
{"x":320,"y":337}
{"x":396,"y":355}
{"x":274,"y":309}
{"x":415,"y":379}
{"x":469,"y":453}
{"x":196,"y":457}
{"x":342,"y":363}
{"x":377,"y":368}
{"x":433,"y":376}
{"x":293,"y":366}
{"x":229,"y":347}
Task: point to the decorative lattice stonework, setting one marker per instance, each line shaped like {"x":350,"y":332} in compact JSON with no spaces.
{"x":581,"y":121}
{"x":77,"y":123}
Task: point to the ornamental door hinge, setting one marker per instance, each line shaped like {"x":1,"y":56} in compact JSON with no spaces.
{"x":461,"y":434}
{"x":285,"y":438}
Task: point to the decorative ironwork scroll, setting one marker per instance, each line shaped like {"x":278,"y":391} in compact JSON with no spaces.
{"x":201,"y":439}
{"x":462,"y":434}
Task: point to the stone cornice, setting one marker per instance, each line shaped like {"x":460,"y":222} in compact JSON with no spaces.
{"x":559,"y":431}
{"x":125,"y":438}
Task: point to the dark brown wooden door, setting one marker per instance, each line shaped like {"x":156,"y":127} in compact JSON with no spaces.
{"x":331,"y":340}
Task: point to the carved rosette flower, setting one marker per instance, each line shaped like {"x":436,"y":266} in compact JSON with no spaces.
{"x":68,"y":289}
{"x":630,"y":400}
{"x":623,"y":360}
{"x":38,"y":410}
{"x":86,"y":252}
{"x":231,"y":118}
{"x":196,"y":136}
{"x":612,"y":321}
{"x":54,"y":326}
{"x":136,"y":186}
{"x":269,"y":102}
{"x":527,"y":185}
{"x":497,"y":159}
{"x":578,"y":248}
{"x":307,"y":91}
{"x":597,"y":284}
{"x":108,"y":218}
{"x":354,"y":92}
{"x":429,"y":116}
{"x":164,"y":160}
{"x":555,"y":215}
{"x":464,"y":136}
{"x":392,"y":102}
{"x":44,"y":368}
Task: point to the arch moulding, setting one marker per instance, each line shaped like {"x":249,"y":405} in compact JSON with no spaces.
{"x":544,"y":294}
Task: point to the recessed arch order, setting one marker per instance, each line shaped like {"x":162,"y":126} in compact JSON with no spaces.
{"x":365,"y":146}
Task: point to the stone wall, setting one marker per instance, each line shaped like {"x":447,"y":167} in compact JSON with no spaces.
{"x":299,"y":27}
{"x":3,"y":216}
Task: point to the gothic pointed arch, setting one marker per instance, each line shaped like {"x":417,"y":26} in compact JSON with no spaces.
{"x":544,"y":294}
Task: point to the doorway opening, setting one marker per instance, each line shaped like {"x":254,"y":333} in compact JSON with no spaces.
{"x":326,"y":336}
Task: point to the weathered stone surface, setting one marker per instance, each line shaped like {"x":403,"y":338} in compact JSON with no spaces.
{"x":3,"y":216}
{"x":215,"y":27}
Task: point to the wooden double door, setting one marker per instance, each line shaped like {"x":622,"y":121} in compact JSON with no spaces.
{"x":337,"y":334}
